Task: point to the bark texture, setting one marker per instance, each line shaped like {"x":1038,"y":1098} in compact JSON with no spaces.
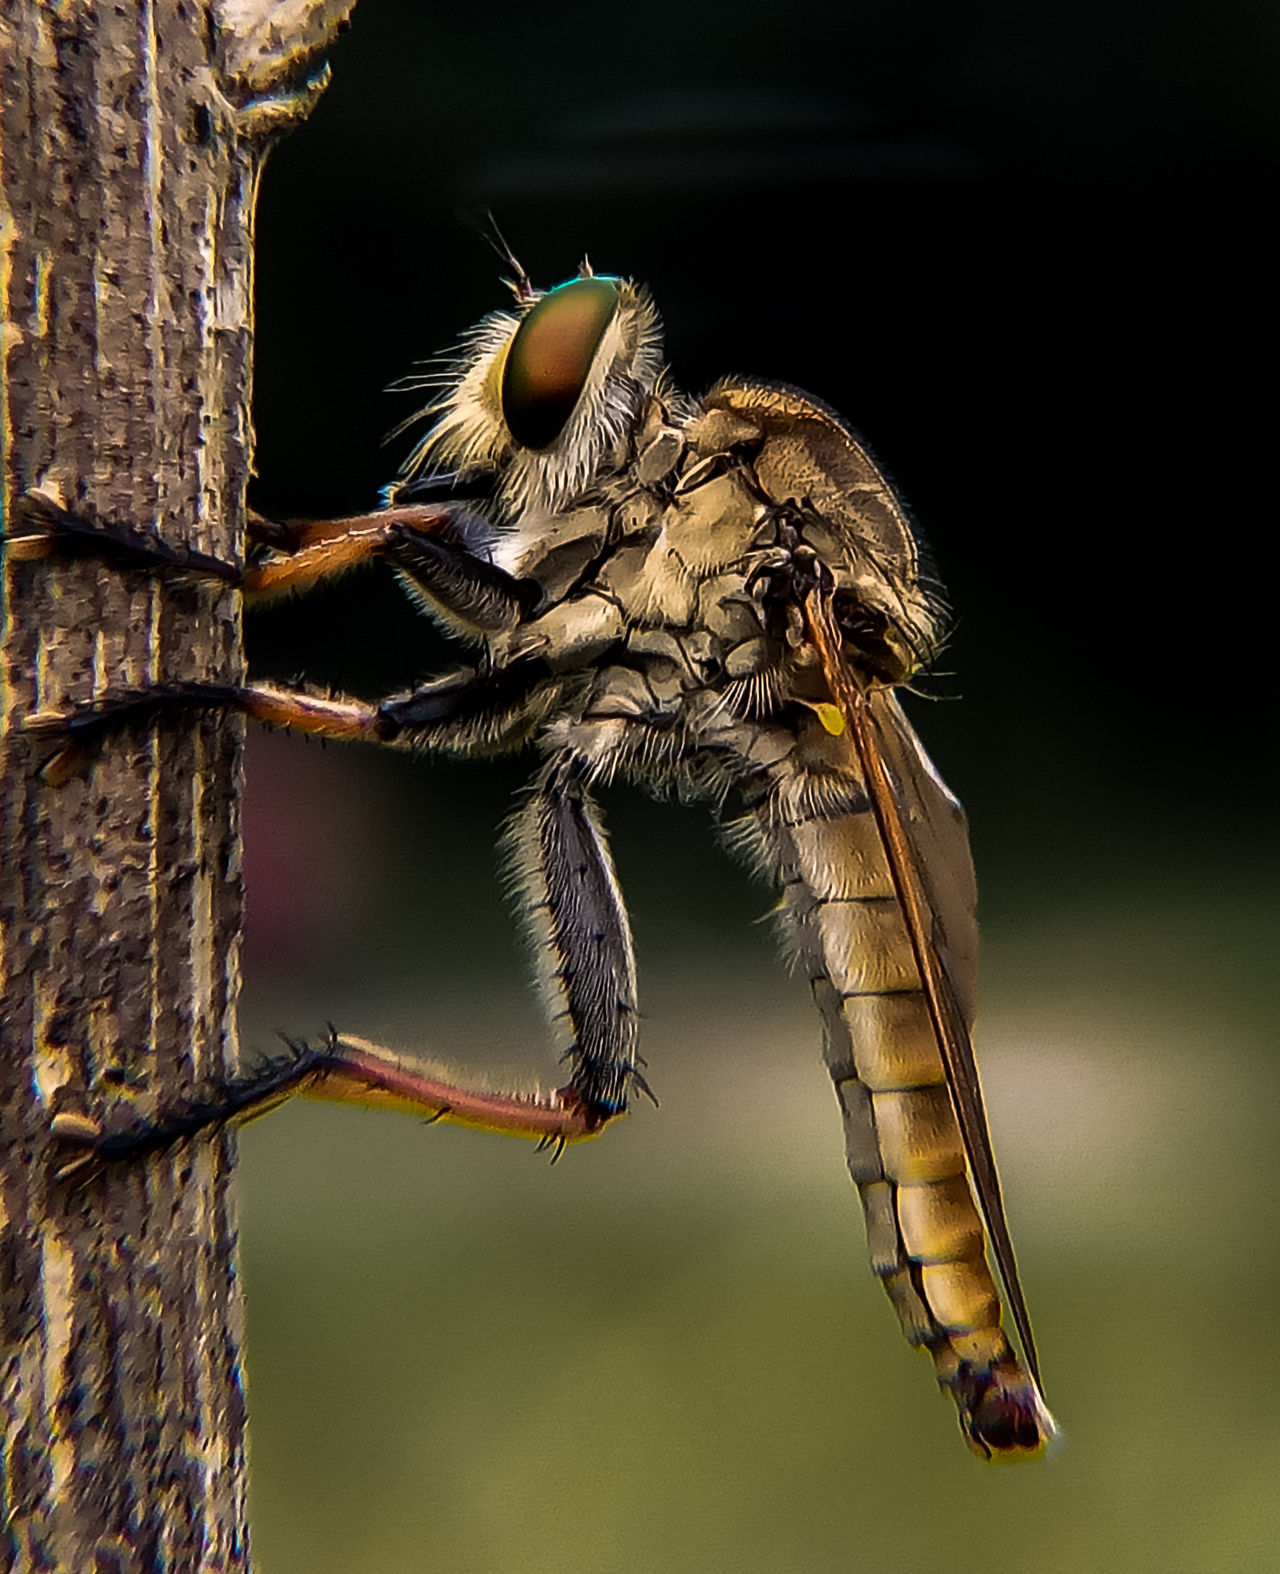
{"x":131,"y":139}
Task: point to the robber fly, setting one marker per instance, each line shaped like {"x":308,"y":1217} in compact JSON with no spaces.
{"x":715,"y":597}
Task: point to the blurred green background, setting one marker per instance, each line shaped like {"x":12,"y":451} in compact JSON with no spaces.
{"x":1025,"y":250}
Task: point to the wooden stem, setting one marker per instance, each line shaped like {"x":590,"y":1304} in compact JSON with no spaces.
{"x":131,"y":140}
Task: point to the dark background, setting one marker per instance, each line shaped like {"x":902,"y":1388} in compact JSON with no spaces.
{"x":1028,"y":252}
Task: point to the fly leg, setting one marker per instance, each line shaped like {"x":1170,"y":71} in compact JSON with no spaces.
{"x":442,"y":551}
{"x":458,"y":713}
{"x":340,"y":1067}
{"x":85,"y":1144}
{"x":77,"y":733}
{"x":569,"y":893}
{"x":43,"y":529}
{"x":472,"y":711}
{"x":464,"y":712}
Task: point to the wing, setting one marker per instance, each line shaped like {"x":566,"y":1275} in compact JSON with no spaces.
{"x":938,"y":830}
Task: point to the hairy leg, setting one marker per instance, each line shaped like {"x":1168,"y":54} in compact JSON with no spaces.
{"x":582,"y":939}
{"x":341,"y":1067}
{"x":442,"y":551}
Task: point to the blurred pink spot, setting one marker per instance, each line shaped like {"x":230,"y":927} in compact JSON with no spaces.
{"x":314,"y":848}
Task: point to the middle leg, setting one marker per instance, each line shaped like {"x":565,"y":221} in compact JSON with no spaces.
{"x":473,"y":710}
{"x":583,"y":955}
{"x":464,"y":712}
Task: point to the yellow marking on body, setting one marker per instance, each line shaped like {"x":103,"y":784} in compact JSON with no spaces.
{"x":961,"y":1295}
{"x":831,"y":717}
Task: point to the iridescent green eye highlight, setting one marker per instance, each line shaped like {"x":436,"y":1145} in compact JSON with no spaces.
{"x":550,"y":358}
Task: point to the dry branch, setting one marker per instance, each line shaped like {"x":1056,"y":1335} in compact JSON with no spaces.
{"x":131,"y":140}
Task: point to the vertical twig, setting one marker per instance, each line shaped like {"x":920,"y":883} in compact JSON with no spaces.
{"x":131,"y":139}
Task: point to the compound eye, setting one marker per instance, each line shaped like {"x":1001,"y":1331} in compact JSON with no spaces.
{"x":550,"y":359}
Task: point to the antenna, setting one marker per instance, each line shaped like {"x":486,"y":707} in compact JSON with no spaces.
{"x":519,"y":283}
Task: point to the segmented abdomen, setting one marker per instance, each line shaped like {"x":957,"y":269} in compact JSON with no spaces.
{"x":817,"y":836}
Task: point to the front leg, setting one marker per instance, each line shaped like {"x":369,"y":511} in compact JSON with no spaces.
{"x":443,"y":554}
{"x":582,"y":941}
{"x":42,"y":528}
